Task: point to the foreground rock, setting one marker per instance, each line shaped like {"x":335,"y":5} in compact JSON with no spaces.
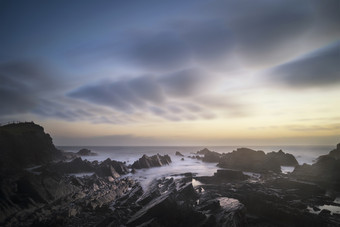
{"x":24,"y":145}
{"x":153,"y":161}
{"x":58,"y":200}
{"x":271,"y":201}
{"x":170,"y":202}
{"x":325,"y":172}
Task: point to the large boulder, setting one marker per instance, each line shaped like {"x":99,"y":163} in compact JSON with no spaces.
{"x":23,"y":145}
{"x":153,"y":161}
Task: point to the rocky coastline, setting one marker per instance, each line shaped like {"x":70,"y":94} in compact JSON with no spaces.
{"x":51,"y":195}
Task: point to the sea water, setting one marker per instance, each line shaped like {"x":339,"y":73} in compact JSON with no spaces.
{"x":303,"y":154}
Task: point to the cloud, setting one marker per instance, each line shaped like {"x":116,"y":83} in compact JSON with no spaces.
{"x":22,"y":82}
{"x":187,"y":82}
{"x":160,"y":50}
{"x":316,"y":69}
{"x":170,"y":96}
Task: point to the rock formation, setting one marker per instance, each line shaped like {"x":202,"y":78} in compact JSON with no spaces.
{"x":326,"y":171}
{"x":249,"y":160}
{"x":153,"y":161}
{"x":179,"y":154}
{"x":85,"y":152}
{"x":25,"y":145}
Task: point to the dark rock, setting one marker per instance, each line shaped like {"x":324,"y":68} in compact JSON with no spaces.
{"x":211,"y":156}
{"x":179,"y":154}
{"x":336,"y":152}
{"x":85,"y":152}
{"x":203,"y":151}
{"x":325,"y":212}
{"x":225,"y":174}
{"x":325,"y":172}
{"x":23,"y":145}
{"x":249,"y":160}
{"x":284,"y":159}
{"x":77,"y":165}
{"x":107,"y":170}
{"x":153,"y":161}
{"x":182,"y":159}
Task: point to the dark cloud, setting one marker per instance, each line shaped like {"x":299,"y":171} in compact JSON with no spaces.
{"x":168,"y":96}
{"x":22,"y":83}
{"x":137,"y":93}
{"x":163,"y":50}
{"x":265,"y":32}
{"x":186,"y":82}
{"x":125,"y":95}
{"x":317,"y":69}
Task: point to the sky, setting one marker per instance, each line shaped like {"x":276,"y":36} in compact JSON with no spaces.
{"x":219,"y":72}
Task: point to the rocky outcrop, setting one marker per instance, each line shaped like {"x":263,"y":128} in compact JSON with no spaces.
{"x":179,"y":154}
{"x":336,"y":152}
{"x":153,"y":161}
{"x":249,"y":160}
{"x":325,"y":172}
{"x":270,"y":201}
{"x":23,"y":145}
{"x":50,"y":199}
{"x":107,"y":168}
{"x":170,"y":202}
{"x":211,"y":156}
{"x":203,"y":151}
{"x":284,"y":159}
{"x":85,"y":152}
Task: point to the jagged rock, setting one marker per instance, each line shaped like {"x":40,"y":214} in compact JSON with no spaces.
{"x":179,"y":154}
{"x":106,"y":170}
{"x":77,"y":165}
{"x":153,"y":161}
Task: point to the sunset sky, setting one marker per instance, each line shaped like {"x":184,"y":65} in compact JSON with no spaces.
{"x":173,"y":72}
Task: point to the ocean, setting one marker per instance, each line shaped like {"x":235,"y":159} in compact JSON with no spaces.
{"x":129,"y":154}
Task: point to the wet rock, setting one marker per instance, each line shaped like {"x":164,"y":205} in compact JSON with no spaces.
{"x":179,"y":154}
{"x":153,"y":161}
